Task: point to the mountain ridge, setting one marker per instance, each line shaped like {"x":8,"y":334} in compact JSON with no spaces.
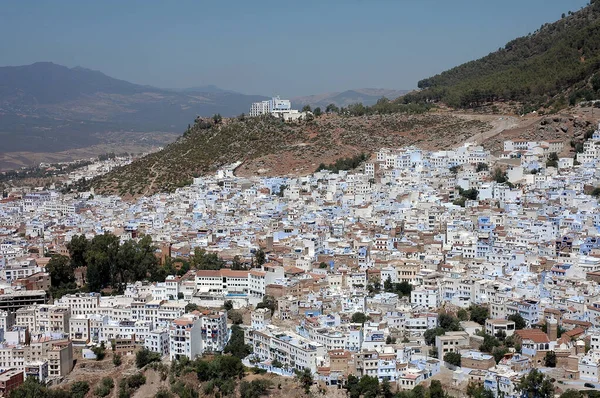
{"x":549,"y":69}
{"x":49,"y":107}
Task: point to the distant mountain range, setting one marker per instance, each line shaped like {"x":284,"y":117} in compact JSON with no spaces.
{"x":48,"y":107}
{"x":45,"y":107}
{"x":366,"y":96}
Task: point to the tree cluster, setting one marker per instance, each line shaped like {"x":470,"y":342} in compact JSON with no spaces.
{"x":359,"y":317}
{"x":385,"y":107}
{"x":222,"y":372}
{"x":128,"y":385}
{"x":31,"y":388}
{"x":105,"y":387}
{"x":144,"y":357}
{"x":112,"y":264}
{"x":400,"y":288}
{"x":343,"y":164}
{"x":519,"y":321}
{"x":269,"y":302}
{"x":535,"y":69}
{"x":305,"y":378}
{"x":446,"y":323}
{"x":202,"y":260}
{"x":552,"y":160}
{"x":236,"y":346}
{"x":479,"y":313}
{"x":254,"y":389}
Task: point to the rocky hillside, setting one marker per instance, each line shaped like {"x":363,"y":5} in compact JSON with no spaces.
{"x":556,"y":65}
{"x":269,"y":146}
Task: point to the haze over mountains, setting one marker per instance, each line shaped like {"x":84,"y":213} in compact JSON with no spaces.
{"x":49,"y":107}
{"x":366,"y":96}
{"x":45,"y":107}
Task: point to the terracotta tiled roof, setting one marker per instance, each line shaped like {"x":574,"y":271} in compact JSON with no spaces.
{"x":535,"y":335}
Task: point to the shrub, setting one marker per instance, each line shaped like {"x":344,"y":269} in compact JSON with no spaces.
{"x":104,"y":388}
{"x":144,"y":356}
{"x":79,"y":389}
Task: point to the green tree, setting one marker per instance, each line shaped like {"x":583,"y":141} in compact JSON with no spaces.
{"x":99,"y":351}
{"x":519,"y":321}
{"x":499,"y":176}
{"x":317,"y":112}
{"x":60,"y":270}
{"x":205,"y":261}
{"x":430,"y":334}
{"x":448,"y":322}
{"x":404,"y":287}
{"x":269,"y":302}
{"x":359,"y":317}
{"x":217,"y":118}
{"x":79,"y":389}
{"x":369,"y":386}
{"x":100,"y":259}
{"x":479,"y":313}
{"x":305,"y":378}
{"x":235,"y":317}
{"x":163,"y":393}
{"x":332,"y":108}
{"x":552,"y":160}
{"x":31,"y":388}
{"x":237,"y":265}
{"x":105,"y":387}
{"x":228,"y":305}
{"x":144,"y":356}
{"x":260,"y":257}
{"x":453,"y":358}
{"x":306,"y":108}
{"x":436,"y":390}
{"x":482,"y":167}
{"x":536,"y":384}
{"x":236,"y":346}
{"x":571,"y":393}
{"x":550,"y":359}
{"x":77,"y":248}
{"x":462,"y":314}
{"x":489,"y":342}
{"x":386,"y":389}
{"x":498,"y":353}
{"x":254,"y":389}
{"x":388,"y":286}
{"x":477,"y":390}
{"x":117,"y":360}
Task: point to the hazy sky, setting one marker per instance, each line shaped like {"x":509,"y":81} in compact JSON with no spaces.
{"x":267,"y":47}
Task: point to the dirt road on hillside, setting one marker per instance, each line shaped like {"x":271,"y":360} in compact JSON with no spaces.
{"x":499,"y":124}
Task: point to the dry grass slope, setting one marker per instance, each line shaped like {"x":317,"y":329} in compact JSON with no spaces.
{"x":268,"y":145}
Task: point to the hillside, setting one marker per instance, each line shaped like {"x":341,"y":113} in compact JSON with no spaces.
{"x":269,"y":146}
{"x":46,"y":107}
{"x":555,"y":65}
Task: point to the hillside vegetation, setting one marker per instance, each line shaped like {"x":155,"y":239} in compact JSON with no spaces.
{"x":269,"y":145}
{"x":555,"y":65}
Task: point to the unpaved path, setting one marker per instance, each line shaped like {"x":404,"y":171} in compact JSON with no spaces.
{"x":499,"y":125}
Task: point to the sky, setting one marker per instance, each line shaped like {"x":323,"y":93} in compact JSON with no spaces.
{"x":267,"y":47}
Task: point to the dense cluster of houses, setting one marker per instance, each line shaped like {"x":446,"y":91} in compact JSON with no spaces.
{"x":515,"y":234}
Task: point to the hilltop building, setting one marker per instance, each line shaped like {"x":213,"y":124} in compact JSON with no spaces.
{"x":277,"y":107}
